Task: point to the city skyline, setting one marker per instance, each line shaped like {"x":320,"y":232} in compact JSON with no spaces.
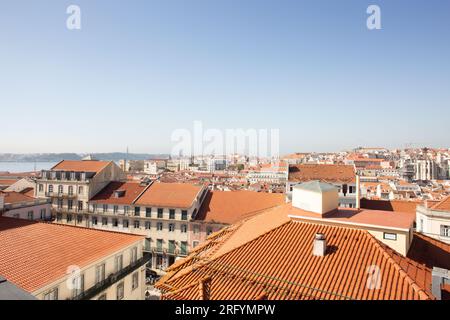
{"x":133,"y":74}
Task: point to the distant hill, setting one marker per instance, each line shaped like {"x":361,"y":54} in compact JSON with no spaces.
{"x":55,"y":157}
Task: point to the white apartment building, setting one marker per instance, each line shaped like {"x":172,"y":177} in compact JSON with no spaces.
{"x":70,"y":262}
{"x":434,"y":221}
{"x":70,"y":185}
{"x":21,"y":206}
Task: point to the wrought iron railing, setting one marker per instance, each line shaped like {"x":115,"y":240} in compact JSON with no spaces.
{"x":112,"y":279}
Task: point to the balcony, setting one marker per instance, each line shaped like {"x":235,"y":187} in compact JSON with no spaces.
{"x":60,"y":195}
{"x":67,"y":210}
{"x":112,"y":279}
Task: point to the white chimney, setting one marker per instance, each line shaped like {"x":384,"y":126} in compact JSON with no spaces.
{"x":315,"y":196}
{"x":320,"y":245}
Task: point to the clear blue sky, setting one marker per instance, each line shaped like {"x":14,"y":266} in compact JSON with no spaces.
{"x":137,"y":70}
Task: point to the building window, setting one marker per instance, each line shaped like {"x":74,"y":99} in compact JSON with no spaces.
{"x":147,"y":244}
{"x":195,"y":243}
{"x":115,"y":222}
{"x":60,"y":203}
{"x":94,"y":207}
{"x":43,"y":214}
{"x":126,"y":209}
{"x":105,"y":208}
{"x":183,"y":228}
{"x":79,"y":218}
{"x":445,"y":231}
{"x":100,"y":273}
{"x":116,"y":209}
{"x":41,"y":188}
{"x":80,"y":190}
{"x":148,"y":212}
{"x":171,"y":227}
{"x":58,"y":216}
{"x":77,"y":285}
{"x":60,"y":189}
{"x":389,"y":236}
{"x":160,"y":213}
{"x":184,"y":215}
{"x":171,"y":214}
{"x":136,"y":224}
{"x":159,"y":226}
{"x":171,"y":246}
{"x":148,"y":225}
{"x":50,"y":188}
{"x":159,"y":245}
{"x":208,"y":231}
{"x":118,"y":263}
{"x":104,"y":221}
{"x":30,"y":215}
{"x":196,"y":229}
{"x":120,"y":291}
{"x":137,"y":211}
{"x":125,"y":223}
{"x":70,"y":190}
{"x":69,"y":204}
{"x":183,"y":248}
{"x":133,"y":254}
{"x":94,"y":221}
{"x":80,"y":205}
{"x":135,"y":281}
{"x":69,"y":218}
{"x":51,"y":295}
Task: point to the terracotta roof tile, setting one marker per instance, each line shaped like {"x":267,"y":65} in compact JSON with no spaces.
{"x":15,"y":197}
{"x":35,"y":254}
{"x":391,"y":205}
{"x":175,"y":195}
{"x":231,"y":206}
{"x":81,"y":165}
{"x":7,"y":182}
{"x":443,"y":205}
{"x":131,"y":191}
{"x":276,"y":261}
{"x":322,"y":172}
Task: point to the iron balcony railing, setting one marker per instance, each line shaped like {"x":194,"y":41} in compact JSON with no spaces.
{"x":112,"y":279}
{"x":171,"y":251}
{"x":60,"y":195}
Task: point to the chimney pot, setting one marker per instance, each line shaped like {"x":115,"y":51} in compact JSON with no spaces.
{"x":320,"y":245}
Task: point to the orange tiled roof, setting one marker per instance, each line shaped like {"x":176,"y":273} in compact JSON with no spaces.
{"x":176,"y":195}
{"x":7,"y":182}
{"x":270,"y":255}
{"x":81,"y":165}
{"x":401,"y":220}
{"x":15,"y":197}
{"x":35,"y":254}
{"x":231,"y":206}
{"x":322,"y":172}
{"x":443,"y":205}
{"x":107,"y":195}
{"x":391,"y":205}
